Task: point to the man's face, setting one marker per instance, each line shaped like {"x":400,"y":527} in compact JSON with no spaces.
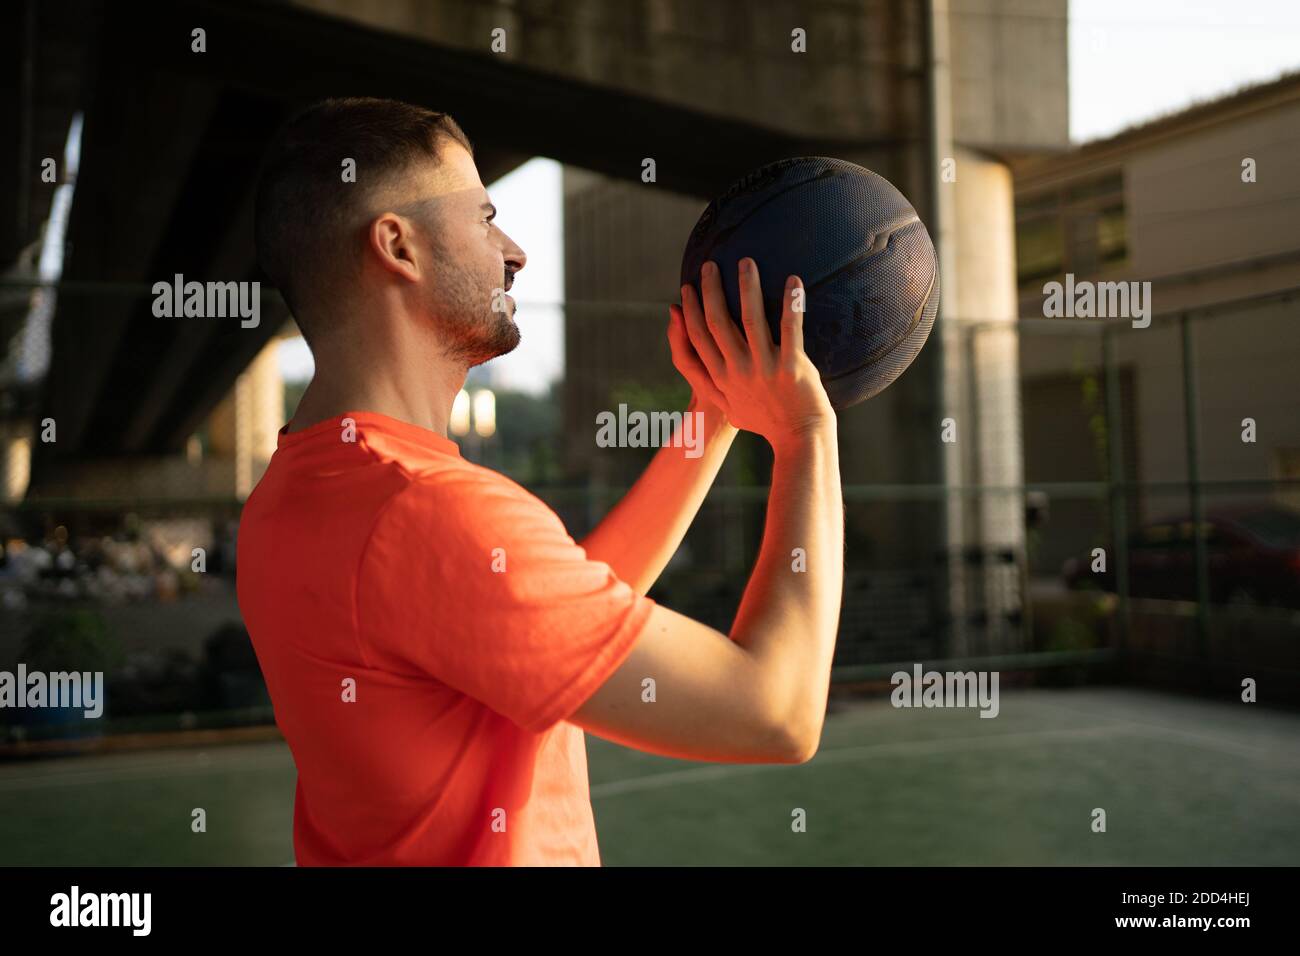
{"x":472,"y":262}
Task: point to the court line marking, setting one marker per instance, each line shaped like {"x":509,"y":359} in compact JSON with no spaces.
{"x":834,"y":755}
{"x":1233,"y":746}
{"x":937,"y":745}
{"x":272,"y":759}
{"x":1226,"y":745}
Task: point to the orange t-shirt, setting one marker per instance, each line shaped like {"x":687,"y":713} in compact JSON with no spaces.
{"x":425,"y":627}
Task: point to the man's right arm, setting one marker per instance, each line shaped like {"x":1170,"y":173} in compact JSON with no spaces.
{"x":758,"y":696}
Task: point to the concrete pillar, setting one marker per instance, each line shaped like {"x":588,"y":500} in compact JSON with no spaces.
{"x":982,"y":356}
{"x":16,"y":437}
{"x":243,"y":426}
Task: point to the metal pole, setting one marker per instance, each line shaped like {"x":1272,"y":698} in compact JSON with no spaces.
{"x":944,"y":338}
{"x":1190,"y":402}
{"x":1117,"y":483}
{"x":980,"y":552}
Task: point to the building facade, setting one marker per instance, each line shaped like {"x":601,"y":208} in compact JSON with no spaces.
{"x":1203,"y":206}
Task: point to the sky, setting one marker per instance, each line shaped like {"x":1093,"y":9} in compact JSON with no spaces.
{"x":1133,"y":60}
{"x":1130,"y":61}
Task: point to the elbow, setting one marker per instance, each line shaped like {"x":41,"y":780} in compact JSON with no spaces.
{"x":807,"y":749}
{"x":796,"y":741}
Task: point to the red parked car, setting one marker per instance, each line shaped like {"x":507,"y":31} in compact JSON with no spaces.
{"x":1253,"y":556}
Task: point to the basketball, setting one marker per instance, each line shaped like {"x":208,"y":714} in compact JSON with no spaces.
{"x":866,"y":260}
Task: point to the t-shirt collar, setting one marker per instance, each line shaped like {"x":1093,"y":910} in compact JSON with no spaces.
{"x":368,"y":421}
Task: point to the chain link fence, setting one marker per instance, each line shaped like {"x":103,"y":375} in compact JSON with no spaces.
{"x":1160,"y":501}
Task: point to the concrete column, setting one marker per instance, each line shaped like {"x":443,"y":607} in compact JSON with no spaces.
{"x":243,"y":426}
{"x":16,"y":437}
{"x":984,"y":357}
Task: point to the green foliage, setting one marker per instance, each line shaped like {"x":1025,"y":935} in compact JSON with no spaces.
{"x":669,"y":396}
{"x":1072,"y":634}
{"x":71,"y":640}
{"x":1092,"y":400}
{"x":528,"y":436}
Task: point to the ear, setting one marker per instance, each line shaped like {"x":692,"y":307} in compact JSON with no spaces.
{"x":391,"y":239}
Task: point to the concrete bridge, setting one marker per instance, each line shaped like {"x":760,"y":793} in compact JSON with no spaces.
{"x":173,"y":137}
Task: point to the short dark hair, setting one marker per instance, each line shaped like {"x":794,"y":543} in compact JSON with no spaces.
{"x":303,"y":209}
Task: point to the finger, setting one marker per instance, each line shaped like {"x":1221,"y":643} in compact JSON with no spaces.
{"x":724,"y":330}
{"x":792,"y":318}
{"x":687,"y":362}
{"x":757,"y":333}
{"x":697,"y":331}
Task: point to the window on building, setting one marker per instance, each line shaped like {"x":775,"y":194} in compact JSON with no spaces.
{"x":1040,"y":249}
{"x":1078,"y":227}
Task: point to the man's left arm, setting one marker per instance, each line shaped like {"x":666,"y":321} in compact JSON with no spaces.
{"x":640,"y":534}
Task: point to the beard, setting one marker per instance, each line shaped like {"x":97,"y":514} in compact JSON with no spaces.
{"x":472,"y":330}
{"x":500,"y":337}
{"x":481,"y":338}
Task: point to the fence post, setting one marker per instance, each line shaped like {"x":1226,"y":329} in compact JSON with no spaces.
{"x":1118,"y":487}
{"x":1191,"y":403}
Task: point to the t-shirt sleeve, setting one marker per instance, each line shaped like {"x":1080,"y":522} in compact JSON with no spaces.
{"x":471,"y":580}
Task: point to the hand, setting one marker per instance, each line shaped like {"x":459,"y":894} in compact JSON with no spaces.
{"x":714,"y":416}
{"x":774,"y":392}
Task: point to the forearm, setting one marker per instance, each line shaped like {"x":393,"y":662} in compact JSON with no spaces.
{"x":789,"y":614}
{"x":643,"y":530}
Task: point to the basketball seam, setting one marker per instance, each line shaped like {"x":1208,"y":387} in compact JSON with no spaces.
{"x":726,"y":231}
{"x":902,"y":339}
{"x":872,"y":250}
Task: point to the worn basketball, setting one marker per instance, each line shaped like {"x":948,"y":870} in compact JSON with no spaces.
{"x":865,"y":258}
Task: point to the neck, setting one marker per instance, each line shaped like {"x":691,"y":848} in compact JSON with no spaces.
{"x":413,"y":385}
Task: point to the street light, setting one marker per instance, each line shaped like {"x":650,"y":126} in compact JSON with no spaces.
{"x":485,"y":413}
{"x":460,"y":414}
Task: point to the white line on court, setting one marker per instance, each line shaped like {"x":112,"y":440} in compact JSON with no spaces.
{"x":836,"y":755}
{"x":275,"y":757}
{"x":1228,"y":745}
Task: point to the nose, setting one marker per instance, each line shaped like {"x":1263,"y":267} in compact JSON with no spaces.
{"x":515,"y":257}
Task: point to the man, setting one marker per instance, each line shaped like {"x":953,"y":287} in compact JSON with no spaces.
{"x":434,"y":642}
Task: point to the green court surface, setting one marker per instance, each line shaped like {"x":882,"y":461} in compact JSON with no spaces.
{"x":1183,"y":782}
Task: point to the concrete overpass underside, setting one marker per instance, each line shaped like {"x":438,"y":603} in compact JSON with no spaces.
{"x":170,"y":150}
